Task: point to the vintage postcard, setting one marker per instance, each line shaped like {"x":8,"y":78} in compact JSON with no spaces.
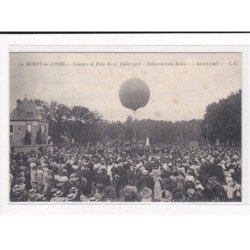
{"x":125,"y":127}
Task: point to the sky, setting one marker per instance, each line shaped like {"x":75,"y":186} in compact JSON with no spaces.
{"x":181,"y":84}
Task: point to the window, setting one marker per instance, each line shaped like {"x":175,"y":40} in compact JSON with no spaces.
{"x":42,"y":128}
{"x":11,"y":128}
{"x":27,"y":136}
{"x":30,"y":115}
{"x":28,"y":127}
{"x":11,"y":139}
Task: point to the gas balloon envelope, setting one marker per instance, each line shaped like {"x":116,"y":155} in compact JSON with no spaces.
{"x":134,"y":94}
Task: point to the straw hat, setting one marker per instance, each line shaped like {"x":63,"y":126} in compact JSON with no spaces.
{"x":197,"y":182}
{"x":33,"y":196}
{"x":31,"y":191}
{"x":190,"y":192}
{"x":99,"y":186}
{"x":194,"y":167}
{"x":58,"y":193}
{"x":190,"y":178}
{"x":39,"y":197}
{"x":199,"y":187}
{"x":48,"y":171}
{"x":71,"y":196}
{"x":53,"y":190}
{"x":59,"y":185}
{"x":32,"y":164}
{"x":145,"y":172}
{"x":142,"y":169}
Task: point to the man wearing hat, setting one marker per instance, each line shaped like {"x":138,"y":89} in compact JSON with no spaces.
{"x":31,"y":191}
{"x":191,"y":195}
{"x":178,"y":195}
{"x":109,"y":193}
{"x":99,"y":194}
{"x":145,"y":180}
{"x":102,"y":178}
{"x":146,"y":195}
{"x":117,"y":184}
{"x":76,"y":192}
{"x":180,"y":182}
{"x":19,"y":193}
{"x":166,"y":196}
{"x":33,"y":196}
{"x":130,"y":194}
{"x":131,"y":176}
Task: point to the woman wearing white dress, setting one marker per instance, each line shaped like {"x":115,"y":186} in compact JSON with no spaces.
{"x":157,"y":187}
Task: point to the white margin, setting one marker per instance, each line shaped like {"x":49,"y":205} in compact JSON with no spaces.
{"x":122,"y":43}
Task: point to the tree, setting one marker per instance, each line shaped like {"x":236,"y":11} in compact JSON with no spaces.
{"x":222,"y":120}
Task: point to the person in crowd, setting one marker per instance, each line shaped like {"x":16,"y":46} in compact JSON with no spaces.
{"x":157,"y":184}
{"x":126,"y":173}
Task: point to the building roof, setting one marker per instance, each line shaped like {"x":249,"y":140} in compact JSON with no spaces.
{"x":27,"y":110}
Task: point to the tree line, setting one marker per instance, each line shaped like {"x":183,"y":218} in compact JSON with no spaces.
{"x":222,"y":120}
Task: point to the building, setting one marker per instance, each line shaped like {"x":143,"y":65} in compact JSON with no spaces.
{"x":28,"y":127}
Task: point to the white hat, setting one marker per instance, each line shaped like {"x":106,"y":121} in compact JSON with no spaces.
{"x":194,"y":167}
{"x":142,"y":168}
{"x":164,"y":167}
{"x":32,"y":164}
{"x":58,"y":193}
{"x":229,"y":179}
{"x":199,"y":187}
{"x":190,"y":178}
{"x":75,"y":166}
{"x":71,"y":196}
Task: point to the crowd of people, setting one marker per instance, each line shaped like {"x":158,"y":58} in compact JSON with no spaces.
{"x":126,"y":173}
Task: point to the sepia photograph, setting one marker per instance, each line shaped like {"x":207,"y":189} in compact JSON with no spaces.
{"x":116,"y":127}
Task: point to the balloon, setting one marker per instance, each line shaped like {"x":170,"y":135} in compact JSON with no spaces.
{"x":134,"y":94}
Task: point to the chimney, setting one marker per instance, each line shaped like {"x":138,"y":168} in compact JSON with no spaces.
{"x":18,"y":103}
